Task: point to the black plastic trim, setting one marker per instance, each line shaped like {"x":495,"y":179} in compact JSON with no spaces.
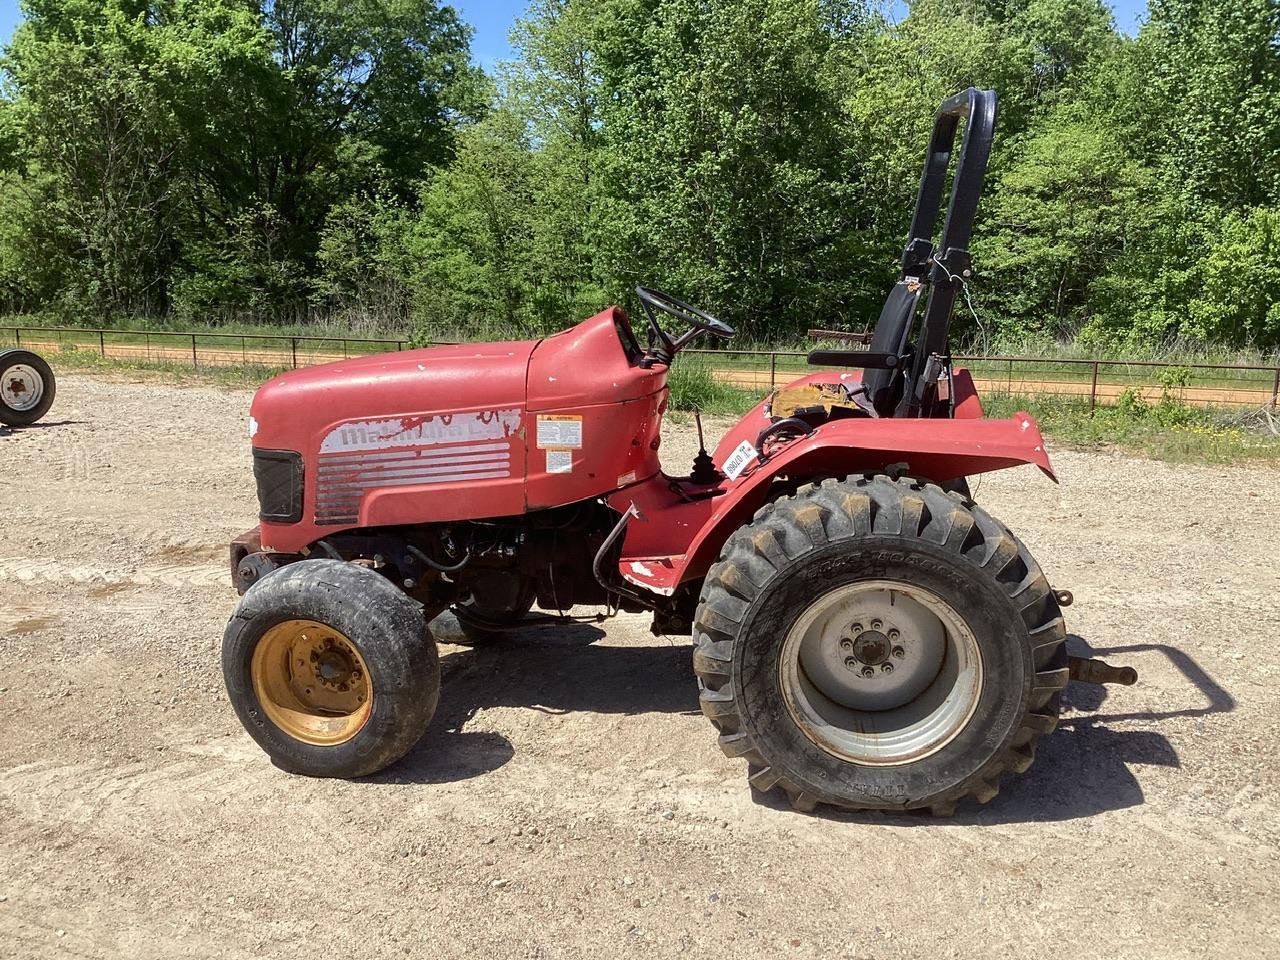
{"x":278,"y":474}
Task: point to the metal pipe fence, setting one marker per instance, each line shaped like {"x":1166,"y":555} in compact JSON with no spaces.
{"x":1095,"y":381}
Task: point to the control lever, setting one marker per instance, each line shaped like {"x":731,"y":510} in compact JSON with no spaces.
{"x":704,"y":468}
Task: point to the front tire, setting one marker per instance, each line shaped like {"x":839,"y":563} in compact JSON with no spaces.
{"x":331,"y":669}
{"x":27,"y":387}
{"x":879,"y":644}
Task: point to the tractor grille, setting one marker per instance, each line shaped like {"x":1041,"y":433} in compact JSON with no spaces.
{"x":343,"y":478}
{"x":279,"y":477}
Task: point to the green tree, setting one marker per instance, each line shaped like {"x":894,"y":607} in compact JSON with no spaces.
{"x":723,"y":137}
{"x":471,"y":241}
{"x":196,"y":148}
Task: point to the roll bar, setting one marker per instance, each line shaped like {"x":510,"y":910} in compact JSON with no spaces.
{"x":946,"y":268}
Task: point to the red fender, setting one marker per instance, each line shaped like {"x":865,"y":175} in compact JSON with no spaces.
{"x":675,"y":540}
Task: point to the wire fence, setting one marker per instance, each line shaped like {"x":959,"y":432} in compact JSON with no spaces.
{"x":1095,"y":381}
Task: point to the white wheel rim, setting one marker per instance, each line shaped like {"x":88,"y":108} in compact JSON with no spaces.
{"x":881,"y":673}
{"x":21,"y":387}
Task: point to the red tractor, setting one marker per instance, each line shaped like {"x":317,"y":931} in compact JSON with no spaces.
{"x":865,"y":635}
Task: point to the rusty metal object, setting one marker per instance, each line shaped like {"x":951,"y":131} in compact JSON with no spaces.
{"x":251,"y":569}
{"x":249,"y":542}
{"x":1063,"y":597}
{"x":1090,"y":670}
{"x":810,"y":398}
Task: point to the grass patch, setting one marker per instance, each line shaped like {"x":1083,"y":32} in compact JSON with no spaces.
{"x":79,"y":360}
{"x":1164,"y":430}
{"x":693,"y":386}
{"x":334,"y":329}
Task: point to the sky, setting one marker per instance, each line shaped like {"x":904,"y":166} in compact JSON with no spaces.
{"x":492,"y":20}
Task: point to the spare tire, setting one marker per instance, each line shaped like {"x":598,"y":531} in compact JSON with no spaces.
{"x":27,"y":387}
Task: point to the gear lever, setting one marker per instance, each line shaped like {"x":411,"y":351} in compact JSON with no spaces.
{"x":704,"y":468}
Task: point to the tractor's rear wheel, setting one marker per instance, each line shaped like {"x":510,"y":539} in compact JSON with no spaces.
{"x":882,"y":644}
{"x":331,"y":669}
{"x":27,"y":387}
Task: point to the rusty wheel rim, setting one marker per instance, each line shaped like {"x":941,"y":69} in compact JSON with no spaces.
{"x":22,"y":387}
{"x":312,"y":682}
{"x":881,"y":672}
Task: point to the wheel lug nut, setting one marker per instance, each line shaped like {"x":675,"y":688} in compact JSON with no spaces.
{"x":894,"y":634}
{"x":846,"y":644}
{"x":856,"y":628}
{"x":851,"y":663}
{"x":868,"y":672}
{"x":899,"y":653}
{"x":886,"y":667}
{"x":876,"y":624}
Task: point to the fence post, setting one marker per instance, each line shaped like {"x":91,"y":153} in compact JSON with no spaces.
{"x":1275,"y":390}
{"x":399,"y":345}
{"x":773,"y":371}
{"x":195,"y":362}
{"x":17,"y":336}
{"x":102,"y":344}
{"x":1093,"y":390}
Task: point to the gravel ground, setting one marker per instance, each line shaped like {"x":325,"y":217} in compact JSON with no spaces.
{"x":569,"y":799}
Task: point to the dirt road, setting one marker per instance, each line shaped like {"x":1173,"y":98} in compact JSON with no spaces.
{"x":569,"y":800}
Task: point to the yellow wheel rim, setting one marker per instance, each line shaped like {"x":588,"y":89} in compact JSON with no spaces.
{"x":312,"y":682}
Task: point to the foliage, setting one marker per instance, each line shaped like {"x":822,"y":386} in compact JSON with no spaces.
{"x":185,"y":156}
{"x":1164,"y":430}
{"x":344,"y":163}
{"x":693,"y":386}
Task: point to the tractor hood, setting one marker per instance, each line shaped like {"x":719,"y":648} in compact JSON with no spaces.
{"x":301,"y":408}
{"x":454,"y":433}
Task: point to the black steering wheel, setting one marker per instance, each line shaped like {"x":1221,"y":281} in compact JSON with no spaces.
{"x":700,"y":320}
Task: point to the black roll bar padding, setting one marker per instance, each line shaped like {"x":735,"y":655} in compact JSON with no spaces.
{"x":865,"y":359}
{"x":950,"y":266}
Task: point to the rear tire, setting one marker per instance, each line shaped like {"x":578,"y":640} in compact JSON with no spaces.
{"x":805,"y":697}
{"x":331,"y":669}
{"x":27,"y":387}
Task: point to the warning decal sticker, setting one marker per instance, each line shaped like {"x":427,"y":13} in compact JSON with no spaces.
{"x":559,"y":461}
{"x":740,"y":459}
{"x":562,"y":431}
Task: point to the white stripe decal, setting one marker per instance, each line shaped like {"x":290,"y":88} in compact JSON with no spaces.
{"x":400,"y":466}
{"x":355,"y":492}
{"x":356,"y":458}
{"x":388,"y":456}
{"x":422,"y":430}
{"x":423,"y":476}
